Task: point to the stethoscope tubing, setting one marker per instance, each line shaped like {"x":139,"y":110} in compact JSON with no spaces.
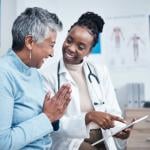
{"x":90,"y":75}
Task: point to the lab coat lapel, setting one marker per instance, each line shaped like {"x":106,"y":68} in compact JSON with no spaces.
{"x":90,"y":88}
{"x":65,"y":77}
{"x":95,"y":92}
{"x":109,"y":142}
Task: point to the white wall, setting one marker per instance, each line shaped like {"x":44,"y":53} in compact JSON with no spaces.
{"x":8,"y":14}
{"x":69,"y":11}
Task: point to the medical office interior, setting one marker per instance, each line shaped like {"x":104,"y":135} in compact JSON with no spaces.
{"x":124,"y":47}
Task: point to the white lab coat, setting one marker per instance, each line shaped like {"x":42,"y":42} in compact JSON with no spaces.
{"x":73,"y":129}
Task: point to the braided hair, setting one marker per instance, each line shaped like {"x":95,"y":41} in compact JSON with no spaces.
{"x":93,"y":22}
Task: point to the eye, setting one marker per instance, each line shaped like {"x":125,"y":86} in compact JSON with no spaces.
{"x":52,"y":45}
{"x":69,"y":40}
{"x":81,"y":47}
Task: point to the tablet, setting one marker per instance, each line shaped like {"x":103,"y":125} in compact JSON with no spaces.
{"x":121,"y":129}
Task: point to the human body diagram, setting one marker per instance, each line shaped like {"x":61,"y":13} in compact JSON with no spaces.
{"x":117,"y":35}
{"x":136,"y":40}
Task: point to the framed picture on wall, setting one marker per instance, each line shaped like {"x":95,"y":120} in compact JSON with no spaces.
{"x":126,"y":41}
{"x":97,"y":48}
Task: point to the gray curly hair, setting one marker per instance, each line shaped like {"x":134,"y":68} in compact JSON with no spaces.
{"x":36,"y":22}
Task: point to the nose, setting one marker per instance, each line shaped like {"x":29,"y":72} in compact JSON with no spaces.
{"x":72,"y":48}
{"x":51,"y":53}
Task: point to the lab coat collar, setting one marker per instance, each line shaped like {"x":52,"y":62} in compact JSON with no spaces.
{"x":63,"y":71}
{"x":62,"y":68}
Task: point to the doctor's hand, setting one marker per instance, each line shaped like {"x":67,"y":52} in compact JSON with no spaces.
{"x":125,"y":133}
{"x":103,"y":119}
{"x":54,"y":107}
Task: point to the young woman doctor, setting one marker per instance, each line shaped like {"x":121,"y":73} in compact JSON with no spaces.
{"x":93,"y":108}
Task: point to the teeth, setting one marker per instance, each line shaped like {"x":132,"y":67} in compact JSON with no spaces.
{"x":68,"y":55}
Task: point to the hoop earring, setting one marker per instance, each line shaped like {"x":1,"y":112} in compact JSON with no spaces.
{"x":30,"y":55}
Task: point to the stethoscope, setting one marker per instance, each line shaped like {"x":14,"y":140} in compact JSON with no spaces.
{"x":90,"y":76}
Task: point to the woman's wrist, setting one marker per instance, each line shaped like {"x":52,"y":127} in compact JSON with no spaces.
{"x":88,"y":118}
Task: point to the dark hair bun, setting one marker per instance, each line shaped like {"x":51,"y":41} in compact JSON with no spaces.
{"x":95,"y":18}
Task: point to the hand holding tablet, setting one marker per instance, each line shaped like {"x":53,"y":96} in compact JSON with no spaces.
{"x":120,"y":127}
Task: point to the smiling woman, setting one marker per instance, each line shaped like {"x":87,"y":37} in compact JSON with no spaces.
{"x":93,"y":107}
{"x":29,"y":114}
{"x":75,"y":46}
{"x":38,"y":51}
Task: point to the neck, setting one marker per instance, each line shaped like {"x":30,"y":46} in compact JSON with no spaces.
{"x":24,"y":56}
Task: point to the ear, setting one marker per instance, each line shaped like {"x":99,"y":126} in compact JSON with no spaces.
{"x":29,"y":42}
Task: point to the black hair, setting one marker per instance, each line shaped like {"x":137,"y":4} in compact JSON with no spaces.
{"x":93,"y":22}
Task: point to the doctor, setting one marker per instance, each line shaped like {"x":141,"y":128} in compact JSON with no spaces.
{"x":93,"y":109}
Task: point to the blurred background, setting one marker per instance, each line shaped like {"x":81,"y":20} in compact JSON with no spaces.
{"x":124,"y":46}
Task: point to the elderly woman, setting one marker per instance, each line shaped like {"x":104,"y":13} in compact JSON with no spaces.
{"x":27,"y":113}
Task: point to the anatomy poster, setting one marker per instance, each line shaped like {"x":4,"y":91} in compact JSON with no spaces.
{"x":125,"y":41}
